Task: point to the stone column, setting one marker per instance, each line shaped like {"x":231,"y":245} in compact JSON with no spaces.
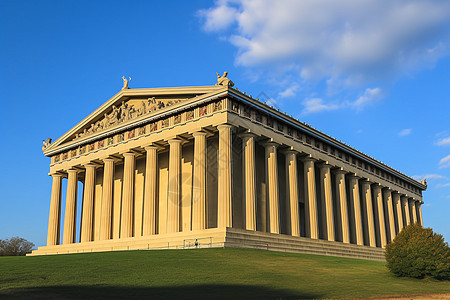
{"x":398,"y":209}
{"x":107,"y":199}
{"x":87,"y":230}
{"x":419,"y":208}
{"x":413,"y":209}
{"x":310,"y":198}
{"x":327,"y":204}
{"x":405,"y":208}
{"x":71,"y":208}
{"x":224,"y":209}
{"x":355,"y":207}
{"x":272,"y":186}
{"x":150,"y":190}
{"x":127,"y":195}
{"x":55,"y":211}
{"x":248,"y":149}
{"x":368,"y":211}
{"x":380,"y":214}
{"x":388,"y":201}
{"x":292,"y":188}
{"x":199,"y":181}
{"x":341,"y":201}
{"x":174,"y":192}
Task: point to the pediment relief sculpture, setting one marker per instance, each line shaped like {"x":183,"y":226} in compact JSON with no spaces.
{"x":126,"y":111}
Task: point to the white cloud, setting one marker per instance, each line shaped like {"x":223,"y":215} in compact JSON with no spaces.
{"x":404,"y":132}
{"x":445,"y":162}
{"x":369,"y":97}
{"x":315,"y":105}
{"x":443,"y":142}
{"x":219,"y":17}
{"x":289,"y":92}
{"x":427,"y":176}
{"x":443,"y":185}
{"x":347,"y":44}
{"x":352,"y":40}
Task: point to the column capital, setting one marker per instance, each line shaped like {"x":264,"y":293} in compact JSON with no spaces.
{"x":224,"y":126}
{"x":129,"y":154}
{"x":324,"y":165}
{"x":150,"y":148}
{"x":308,"y":158}
{"x":72,"y":171}
{"x":376,"y":185}
{"x":366,"y":181}
{"x":339,"y":171}
{"x":199,"y":133}
{"x":387,"y":190}
{"x":289,"y":151}
{"x":354,"y":176}
{"x":108,"y":159}
{"x":270,"y":144}
{"x":246,"y":135}
{"x":89,"y":166}
{"x":56,"y":175}
{"x":174,"y":141}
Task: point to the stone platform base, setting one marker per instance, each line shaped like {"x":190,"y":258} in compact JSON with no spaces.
{"x":223,"y":237}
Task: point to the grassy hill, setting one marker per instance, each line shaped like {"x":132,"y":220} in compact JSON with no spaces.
{"x":202,"y":274}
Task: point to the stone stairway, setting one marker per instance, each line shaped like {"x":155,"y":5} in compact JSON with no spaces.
{"x":240,"y":238}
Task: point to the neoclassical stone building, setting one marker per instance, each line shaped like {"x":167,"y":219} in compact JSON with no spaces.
{"x":163,"y":167}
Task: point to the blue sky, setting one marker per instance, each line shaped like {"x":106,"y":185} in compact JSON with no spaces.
{"x":373,"y":74}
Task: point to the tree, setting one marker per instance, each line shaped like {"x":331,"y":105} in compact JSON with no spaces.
{"x":418,"y":252}
{"x":15,"y":246}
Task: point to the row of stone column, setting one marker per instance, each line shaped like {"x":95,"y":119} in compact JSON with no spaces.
{"x":350,"y":219}
{"x":150,"y":192}
{"x":348,"y":224}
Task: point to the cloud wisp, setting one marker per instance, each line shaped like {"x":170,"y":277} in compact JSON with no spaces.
{"x":445,"y":162}
{"x":443,"y":142}
{"x":427,"y":176}
{"x":404,"y":132}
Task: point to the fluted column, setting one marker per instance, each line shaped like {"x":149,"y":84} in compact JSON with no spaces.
{"x":327,"y":204}
{"x":272,"y":186}
{"x":55,"y":211}
{"x":174,"y":193}
{"x":248,"y":149}
{"x":224,"y":208}
{"x":355,"y":207}
{"x":310,"y":198}
{"x":107,"y":198}
{"x":127,"y":195}
{"x":150,"y":190}
{"x":419,"y":208}
{"x":71,"y":208}
{"x":380,"y":214}
{"x":368,"y":211}
{"x":199,"y":180}
{"x":405,"y":208}
{"x":87,"y":229}
{"x":341,"y":201}
{"x":398,"y":209}
{"x":388,"y":201}
{"x":292,"y":182}
{"x":413,"y":210}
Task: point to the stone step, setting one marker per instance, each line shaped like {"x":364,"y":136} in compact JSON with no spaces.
{"x":240,"y":238}
{"x":312,"y":243}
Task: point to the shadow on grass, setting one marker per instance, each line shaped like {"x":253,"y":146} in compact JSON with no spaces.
{"x":173,"y":292}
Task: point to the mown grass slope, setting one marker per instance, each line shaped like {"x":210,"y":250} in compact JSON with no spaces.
{"x":202,"y":274}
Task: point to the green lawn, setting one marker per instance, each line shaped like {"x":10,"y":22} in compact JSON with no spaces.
{"x":202,"y":274}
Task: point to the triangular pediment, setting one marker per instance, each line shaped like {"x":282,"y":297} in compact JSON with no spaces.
{"x":129,"y":106}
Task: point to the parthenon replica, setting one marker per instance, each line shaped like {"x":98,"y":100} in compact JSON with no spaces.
{"x":210,"y":166}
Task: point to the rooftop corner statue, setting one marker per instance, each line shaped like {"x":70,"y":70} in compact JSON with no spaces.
{"x":223,"y":80}
{"x":125,"y":82}
{"x":209,"y":166}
